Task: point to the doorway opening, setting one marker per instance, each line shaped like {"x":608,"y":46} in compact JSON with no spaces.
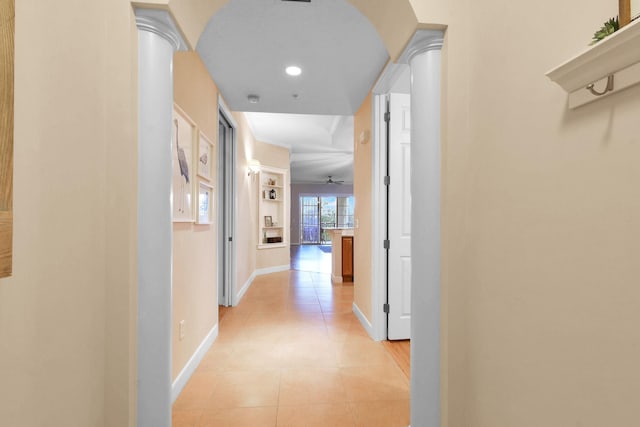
{"x":226,"y":206}
{"x":321,"y":214}
{"x":319,"y":217}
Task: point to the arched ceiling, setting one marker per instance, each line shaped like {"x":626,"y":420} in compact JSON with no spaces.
{"x":395,"y":21}
{"x":320,"y":145}
{"x":247,"y":45}
{"x":341,"y":45}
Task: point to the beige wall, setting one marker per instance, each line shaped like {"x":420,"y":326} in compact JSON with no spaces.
{"x":67,"y":316}
{"x":540,"y":224}
{"x":247,"y":207}
{"x":540,"y":221}
{"x":195,"y":297}
{"x":362,"y":162}
{"x":249,"y":258}
{"x":194,"y":246}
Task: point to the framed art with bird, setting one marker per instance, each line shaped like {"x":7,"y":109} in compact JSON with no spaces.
{"x":183,"y":136}
{"x":204,"y":156}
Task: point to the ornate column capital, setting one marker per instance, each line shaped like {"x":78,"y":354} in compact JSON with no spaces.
{"x":160,"y":22}
{"x":422,"y":41}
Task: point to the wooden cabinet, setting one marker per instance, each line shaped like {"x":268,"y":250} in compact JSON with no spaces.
{"x":273,"y":199}
{"x":347,"y":258}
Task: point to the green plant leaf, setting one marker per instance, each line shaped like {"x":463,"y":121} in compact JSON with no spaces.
{"x":608,"y":28}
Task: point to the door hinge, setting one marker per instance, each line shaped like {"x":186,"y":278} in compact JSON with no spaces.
{"x":231,"y":239}
{"x":387,"y":180}
{"x":387,"y":244}
{"x":387,"y":116}
{"x":385,"y":308}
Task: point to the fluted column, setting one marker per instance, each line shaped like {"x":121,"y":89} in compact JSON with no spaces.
{"x":157,"y":41}
{"x":423,"y":55}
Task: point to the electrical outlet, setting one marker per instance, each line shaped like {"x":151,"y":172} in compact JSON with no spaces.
{"x":181,"y":328}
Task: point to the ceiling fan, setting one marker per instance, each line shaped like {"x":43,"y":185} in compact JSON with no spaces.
{"x":331,"y":181}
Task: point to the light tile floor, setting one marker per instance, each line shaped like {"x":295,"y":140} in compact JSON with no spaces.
{"x":293,"y":354}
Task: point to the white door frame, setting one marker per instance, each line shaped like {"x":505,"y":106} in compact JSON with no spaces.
{"x":399,"y":213}
{"x":378,"y":218}
{"x":380,"y":99}
{"x":230,"y":284}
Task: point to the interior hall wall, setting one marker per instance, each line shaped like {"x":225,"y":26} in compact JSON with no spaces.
{"x":362,"y":169}
{"x":194,"y":245}
{"x":247,"y":206}
{"x":67,"y":315}
{"x":541,"y":223}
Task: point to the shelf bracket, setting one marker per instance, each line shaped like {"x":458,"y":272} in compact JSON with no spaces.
{"x":608,"y":88}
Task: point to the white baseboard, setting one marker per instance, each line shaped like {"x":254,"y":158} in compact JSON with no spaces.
{"x":269,"y":270}
{"x":363,"y":320}
{"x":262,"y":271}
{"x":243,"y":290}
{"x":336,"y":279}
{"x":192,"y":364}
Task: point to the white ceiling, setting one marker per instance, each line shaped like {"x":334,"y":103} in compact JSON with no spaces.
{"x":320,"y":145}
{"x":246,"y":47}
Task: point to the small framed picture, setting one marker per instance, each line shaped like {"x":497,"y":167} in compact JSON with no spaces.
{"x":205,"y":156}
{"x":268,"y":221}
{"x":205,"y":203}
{"x":183,"y":131}
{"x":628,"y":10}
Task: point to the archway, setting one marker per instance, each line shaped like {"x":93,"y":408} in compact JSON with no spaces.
{"x":396,"y":25}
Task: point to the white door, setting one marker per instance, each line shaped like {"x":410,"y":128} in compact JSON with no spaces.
{"x":226,"y":209}
{"x":399,"y":218}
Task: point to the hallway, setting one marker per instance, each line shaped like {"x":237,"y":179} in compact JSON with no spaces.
{"x":312,"y":258}
{"x":293,"y":354}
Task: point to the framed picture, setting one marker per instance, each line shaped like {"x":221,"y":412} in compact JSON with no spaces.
{"x":205,"y":203}
{"x":268,"y":221}
{"x":7,"y":35}
{"x":205,"y":156}
{"x":183,"y":130}
{"x":628,"y":10}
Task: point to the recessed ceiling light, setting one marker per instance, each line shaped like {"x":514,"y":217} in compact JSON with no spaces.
{"x":292,"y":70}
{"x":253,"y":99}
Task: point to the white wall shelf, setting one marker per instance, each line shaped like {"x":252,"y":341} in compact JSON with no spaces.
{"x":617,"y":55}
{"x":272,"y":181}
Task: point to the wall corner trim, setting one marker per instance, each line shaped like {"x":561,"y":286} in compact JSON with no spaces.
{"x":260,"y":272}
{"x":364,"y":321}
{"x":422,"y":41}
{"x":269,"y":270}
{"x":160,"y":22}
{"x":238,"y":297}
{"x":193,"y":363}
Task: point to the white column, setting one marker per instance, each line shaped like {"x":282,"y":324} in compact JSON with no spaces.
{"x":157,"y":42}
{"x":423,"y":55}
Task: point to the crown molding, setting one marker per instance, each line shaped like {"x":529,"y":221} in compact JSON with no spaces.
{"x":422,"y":41}
{"x":388,"y":77}
{"x":160,"y":22}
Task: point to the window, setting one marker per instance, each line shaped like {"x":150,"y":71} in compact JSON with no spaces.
{"x":320,"y":214}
